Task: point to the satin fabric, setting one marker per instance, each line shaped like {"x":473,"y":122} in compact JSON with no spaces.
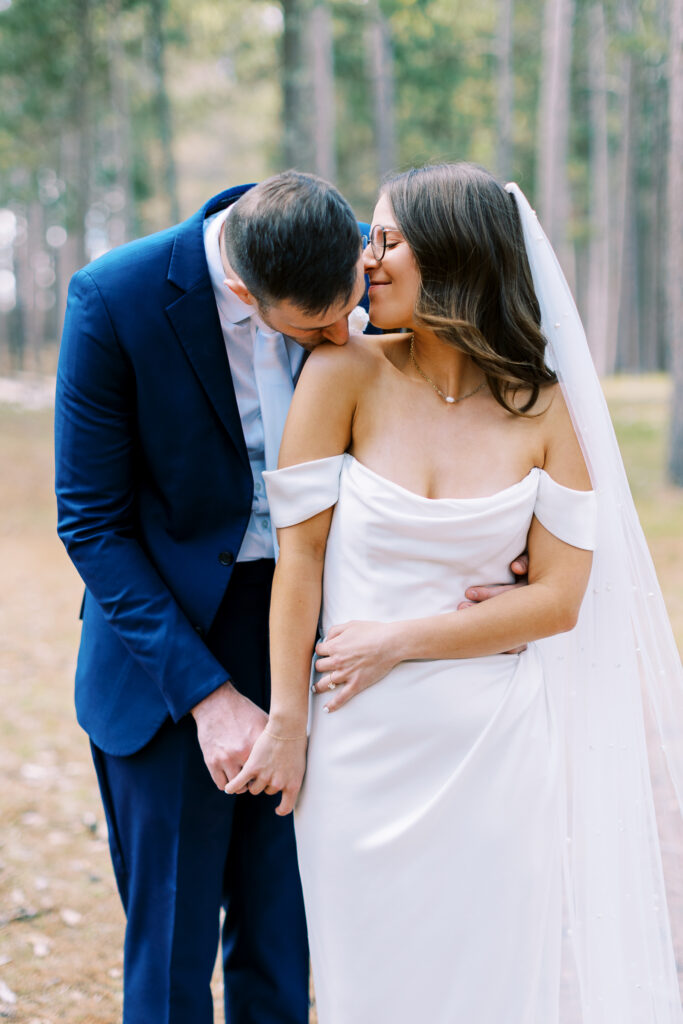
{"x":430,"y":824}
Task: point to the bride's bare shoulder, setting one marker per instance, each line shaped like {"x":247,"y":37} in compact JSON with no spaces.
{"x":332,"y":382}
{"x":384,"y":348}
{"x":361,"y":355}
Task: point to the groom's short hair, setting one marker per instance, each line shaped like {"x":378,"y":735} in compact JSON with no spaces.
{"x":294,"y":237}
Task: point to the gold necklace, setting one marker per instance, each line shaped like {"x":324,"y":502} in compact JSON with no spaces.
{"x":442,"y":394}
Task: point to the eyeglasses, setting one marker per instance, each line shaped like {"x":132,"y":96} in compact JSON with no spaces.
{"x":377,"y":240}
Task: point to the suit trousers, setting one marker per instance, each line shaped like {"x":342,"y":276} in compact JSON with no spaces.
{"x":182,"y":849}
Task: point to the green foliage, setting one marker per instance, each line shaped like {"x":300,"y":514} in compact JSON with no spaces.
{"x":78,"y":77}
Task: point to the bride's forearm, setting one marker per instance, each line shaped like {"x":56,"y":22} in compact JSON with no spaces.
{"x":498,"y":625}
{"x":295,"y":608}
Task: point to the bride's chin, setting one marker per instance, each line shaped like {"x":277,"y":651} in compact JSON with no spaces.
{"x":385,"y":323}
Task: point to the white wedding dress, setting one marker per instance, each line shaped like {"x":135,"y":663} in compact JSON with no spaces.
{"x":430,"y":824}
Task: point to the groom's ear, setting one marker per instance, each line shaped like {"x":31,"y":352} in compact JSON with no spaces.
{"x":239,"y":288}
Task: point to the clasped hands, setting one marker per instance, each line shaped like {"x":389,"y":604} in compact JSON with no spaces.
{"x":241,"y":751}
{"x":272,"y":757}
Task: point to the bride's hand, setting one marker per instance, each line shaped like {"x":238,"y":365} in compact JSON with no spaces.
{"x":276,"y":764}
{"x":352,"y":657}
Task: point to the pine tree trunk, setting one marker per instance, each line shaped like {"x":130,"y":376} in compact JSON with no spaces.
{"x":660,"y":147}
{"x":157,"y":10}
{"x":660,"y":232}
{"x":297,"y":143}
{"x":20,"y":322}
{"x":598,"y":252}
{"x":675,"y":248}
{"x":621,"y":307}
{"x":505,"y":90}
{"x":552,"y":190}
{"x":124,"y":222}
{"x":381,"y":73}
{"x":323,"y":92}
{"x":84,"y":127}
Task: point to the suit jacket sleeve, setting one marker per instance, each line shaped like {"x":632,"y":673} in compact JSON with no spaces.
{"x":95,"y":438}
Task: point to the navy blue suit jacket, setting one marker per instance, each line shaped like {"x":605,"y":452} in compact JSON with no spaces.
{"x":154,"y":488}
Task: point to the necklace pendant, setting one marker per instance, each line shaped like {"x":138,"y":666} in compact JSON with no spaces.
{"x":450,"y":399}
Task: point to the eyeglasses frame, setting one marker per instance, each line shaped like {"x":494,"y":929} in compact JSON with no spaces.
{"x":367,"y":240}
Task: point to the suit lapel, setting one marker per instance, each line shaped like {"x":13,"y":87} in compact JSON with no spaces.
{"x":194,"y":318}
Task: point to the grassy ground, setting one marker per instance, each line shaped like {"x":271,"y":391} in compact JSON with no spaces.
{"x":60,"y":921}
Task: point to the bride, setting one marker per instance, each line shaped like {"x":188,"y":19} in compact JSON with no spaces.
{"x":476,"y":829}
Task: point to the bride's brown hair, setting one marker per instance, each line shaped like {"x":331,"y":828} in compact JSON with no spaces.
{"x":476,"y":291}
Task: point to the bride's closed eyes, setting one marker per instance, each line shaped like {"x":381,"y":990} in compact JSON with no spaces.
{"x":381,"y":238}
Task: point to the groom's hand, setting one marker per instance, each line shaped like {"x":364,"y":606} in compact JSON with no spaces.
{"x":228,"y":725}
{"x":479,"y":593}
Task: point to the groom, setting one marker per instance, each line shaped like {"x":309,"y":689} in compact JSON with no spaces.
{"x":175,"y":373}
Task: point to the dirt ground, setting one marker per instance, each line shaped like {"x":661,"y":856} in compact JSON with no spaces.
{"x":61,"y":925}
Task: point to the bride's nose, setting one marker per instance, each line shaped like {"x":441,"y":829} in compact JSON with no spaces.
{"x":369,"y":257}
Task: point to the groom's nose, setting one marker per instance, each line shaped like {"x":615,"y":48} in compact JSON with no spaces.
{"x":338,"y":332}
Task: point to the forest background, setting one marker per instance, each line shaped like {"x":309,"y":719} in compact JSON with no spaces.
{"x":119,"y":117}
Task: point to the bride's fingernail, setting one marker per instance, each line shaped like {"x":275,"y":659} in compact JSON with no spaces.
{"x":326,"y":709}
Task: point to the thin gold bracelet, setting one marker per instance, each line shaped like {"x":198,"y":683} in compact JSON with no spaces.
{"x":275,"y":736}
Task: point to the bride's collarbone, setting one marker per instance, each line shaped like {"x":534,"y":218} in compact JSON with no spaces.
{"x":417,"y":440}
{"x":442,"y":460}
{"x":437,"y":473}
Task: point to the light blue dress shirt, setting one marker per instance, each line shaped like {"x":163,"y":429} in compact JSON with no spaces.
{"x":239,"y":328}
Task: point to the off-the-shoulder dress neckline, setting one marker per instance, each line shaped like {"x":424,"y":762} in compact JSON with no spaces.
{"x":531,"y":475}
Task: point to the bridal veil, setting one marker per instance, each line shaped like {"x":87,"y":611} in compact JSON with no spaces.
{"x":618,"y":680}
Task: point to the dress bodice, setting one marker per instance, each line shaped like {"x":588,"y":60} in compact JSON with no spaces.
{"x":396,"y":554}
{"x":437,"y":786}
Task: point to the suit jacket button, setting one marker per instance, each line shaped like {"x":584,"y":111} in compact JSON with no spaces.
{"x":226,"y":558}
{"x":199,"y":630}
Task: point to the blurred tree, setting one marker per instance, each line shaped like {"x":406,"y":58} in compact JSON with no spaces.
{"x":675,"y":248}
{"x":118,"y":116}
{"x":121,"y":161}
{"x":552,"y":185}
{"x":157,"y":40}
{"x":598,"y":249}
{"x":380,"y":59}
{"x":296,"y":85}
{"x":597,"y":286}
{"x":83,"y":120}
{"x":505,"y":89}
{"x":325,"y":134}
{"x":623,"y":242}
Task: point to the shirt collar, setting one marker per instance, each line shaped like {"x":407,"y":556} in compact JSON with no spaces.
{"x":232,"y":308}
